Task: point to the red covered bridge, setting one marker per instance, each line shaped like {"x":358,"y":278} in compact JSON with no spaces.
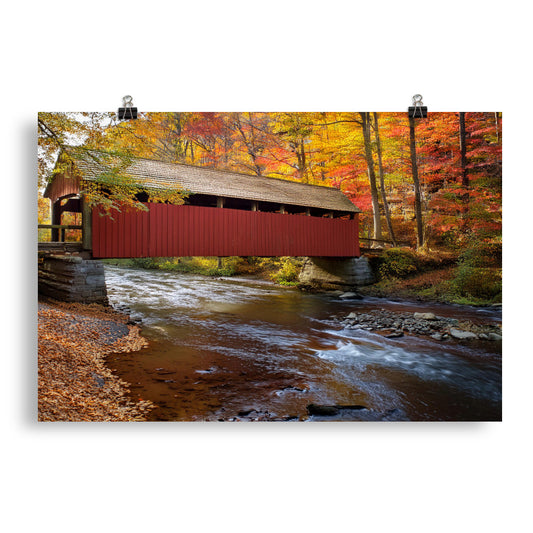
{"x":224,"y":214}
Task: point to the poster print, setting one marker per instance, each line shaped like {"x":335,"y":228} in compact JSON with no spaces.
{"x":270,"y":267}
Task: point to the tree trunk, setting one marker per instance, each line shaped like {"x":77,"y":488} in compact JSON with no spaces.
{"x":300,"y":154}
{"x":371,"y":174}
{"x":465,"y":181}
{"x":462,"y":141}
{"x":418,"y":201}
{"x":382,"y":182}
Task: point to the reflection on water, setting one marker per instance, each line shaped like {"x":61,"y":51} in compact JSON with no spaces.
{"x":220,"y":347}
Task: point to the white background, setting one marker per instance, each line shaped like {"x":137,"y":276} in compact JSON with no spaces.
{"x":251,"y":56}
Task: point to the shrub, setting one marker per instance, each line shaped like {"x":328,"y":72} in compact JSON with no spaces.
{"x":478,"y":273}
{"x":398,"y":263}
{"x":482,"y":254}
{"x":482,"y":283}
{"x":288,"y":272}
{"x":145,"y":262}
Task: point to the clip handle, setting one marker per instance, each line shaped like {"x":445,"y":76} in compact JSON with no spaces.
{"x":127,"y":112}
{"x":418,"y":110}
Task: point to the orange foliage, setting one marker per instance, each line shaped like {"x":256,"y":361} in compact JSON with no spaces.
{"x":328,"y":149}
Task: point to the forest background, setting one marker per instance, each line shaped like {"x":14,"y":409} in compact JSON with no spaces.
{"x":432,"y":184}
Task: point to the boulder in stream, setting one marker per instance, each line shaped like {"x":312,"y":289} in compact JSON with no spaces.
{"x":462,"y":335}
{"x":354,"y":413}
{"x":350,"y":295}
{"x":394,"y":335}
{"x":330,"y":410}
{"x":424,"y":316}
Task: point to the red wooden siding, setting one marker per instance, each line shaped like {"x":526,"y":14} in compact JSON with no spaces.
{"x":181,"y":231}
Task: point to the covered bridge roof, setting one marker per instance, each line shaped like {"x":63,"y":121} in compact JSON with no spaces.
{"x":201,"y":180}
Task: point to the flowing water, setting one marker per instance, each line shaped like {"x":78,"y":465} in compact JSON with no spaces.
{"x":224,"y":349}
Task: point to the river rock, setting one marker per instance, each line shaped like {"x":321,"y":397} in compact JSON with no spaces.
{"x":424,"y":316}
{"x":495,"y":337}
{"x":394,"y":334}
{"x":437,"y":336}
{"x":350,"y":295}
{"x":462,"y":335}
{"x":352,"y":315}
{"x":100,"y":381}
{"x":354,"y":413}
{"x":331,"y":410}
{"x":346,"y":295}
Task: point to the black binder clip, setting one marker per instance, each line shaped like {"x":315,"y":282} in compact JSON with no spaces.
{"x":417,"y":110}
{"x":127,"y":112}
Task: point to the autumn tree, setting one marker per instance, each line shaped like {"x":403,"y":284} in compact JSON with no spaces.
{"x":382,"y":180}
{"x":417,"y":174}
{"x":416,"y":182}
{"x":250,"y":133}
{"x":366,"y":125}
{"x":291,"y":137}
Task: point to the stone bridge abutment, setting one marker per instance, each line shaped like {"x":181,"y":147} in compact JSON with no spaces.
{"x":332,"y":273}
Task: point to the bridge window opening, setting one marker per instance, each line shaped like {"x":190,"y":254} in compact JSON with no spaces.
{"x":296,"y":210}
{"x":142,"y":196}
{"x":269,"y":207}
{"x":66,"y":218}
{"x":202,"y":200}
{"x":321,"y":213}
{"x":238,"y":203}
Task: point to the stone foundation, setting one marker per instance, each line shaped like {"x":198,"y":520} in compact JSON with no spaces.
{"x":330,"y":273}
{"x":70,"y":278}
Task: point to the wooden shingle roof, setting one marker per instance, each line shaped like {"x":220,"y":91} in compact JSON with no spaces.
{"x":201,"y":180}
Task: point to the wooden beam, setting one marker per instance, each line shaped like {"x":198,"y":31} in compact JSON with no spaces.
{"x":87,"y":224}
{"x":56,"y":219}
{"x":59,"y":226}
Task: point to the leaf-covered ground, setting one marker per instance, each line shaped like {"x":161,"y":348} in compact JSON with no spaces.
{"x":74,"y":382}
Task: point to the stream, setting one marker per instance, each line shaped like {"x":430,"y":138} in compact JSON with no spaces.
{"x":239,"y":349}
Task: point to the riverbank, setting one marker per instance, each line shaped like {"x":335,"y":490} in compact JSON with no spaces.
{"x":74,"y":383}
{"x":394,"y":324}
{"x":280,"y":270}
{"x":473,"y":277}
{"x":435,"y":286}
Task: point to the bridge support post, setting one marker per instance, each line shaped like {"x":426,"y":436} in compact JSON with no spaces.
{"x":70,"y":278}
{"x":56,"y":219}
{"x":87,"y":224}
{"x":333,"y":273}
